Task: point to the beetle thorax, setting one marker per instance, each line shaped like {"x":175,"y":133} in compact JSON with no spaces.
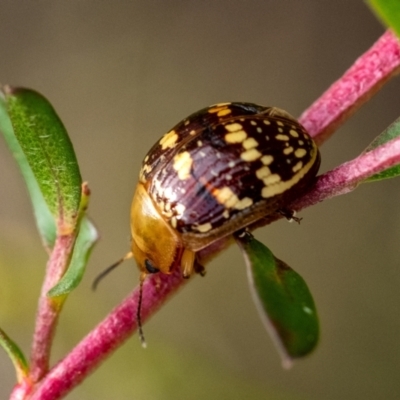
{"x":153,"y":238}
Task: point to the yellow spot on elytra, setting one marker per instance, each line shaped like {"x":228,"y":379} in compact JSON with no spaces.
{"x":254,"y":123}
{"x":233,"y":127}
{"x":203,"y":228}
{"x":187,"y":122}
{"x":263,"y":172}
{"x":279,"y":123}
{"x":259,"y":130}
{"x":199,"y":143}
{"x":169,"y":140}
{"x":192,"y":132}
{"x":229,"y":199}
{"x":225,"y":196}
{"x":299,"y":171}
{"x":244,"y":203}
{"x":214,"y":110}
{"x":301,"y":142}
{"x":294,"y":133}
{"x":300,"y":153}
{"x":235,"y":137}
{"x":298,"y":166}
{"x":250,"y":143}
{"x":147,"y":168}
{"x":182,"y":165}
{"x":250,"y":155}
{"x":267,"y":122}
{"x":180,"y":209}
{"x":269,"y":191}
{"x":271,"y":179}
{"x":173,"y":222}
{"x":288,"y":150}
{"x":267,"y":160}
{"x":144,"y":170}
{"x":223,"y":112}
{"x":141,"y":177}
{"x":282,"y":137}
{"x":280,"y":130}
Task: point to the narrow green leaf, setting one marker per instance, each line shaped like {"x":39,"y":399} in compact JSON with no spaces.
{"x":16,"y":356}
{"x":283,"y":300}
{"x":48,"y":151}
{"x":391,"y":132}
{"x":388,"y":11}
{"x":44,"y":219}
{"x":85,"y":241}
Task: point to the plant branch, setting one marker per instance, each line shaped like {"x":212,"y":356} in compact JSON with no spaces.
{"x":108,"y":335}
{"x":49,"y":309}
{"x":359,"y":83}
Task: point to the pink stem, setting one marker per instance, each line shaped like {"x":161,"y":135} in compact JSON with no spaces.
{"x":48,"y":310}
{"x":366,"y":76}
{"x":108,"y":335}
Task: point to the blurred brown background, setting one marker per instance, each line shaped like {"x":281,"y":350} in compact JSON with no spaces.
{"x":122,"y":73}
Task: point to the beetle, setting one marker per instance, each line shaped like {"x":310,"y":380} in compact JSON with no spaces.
{"x":215,"y":173}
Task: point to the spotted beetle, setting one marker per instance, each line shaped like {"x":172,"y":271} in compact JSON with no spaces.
{"x":216,"y":172}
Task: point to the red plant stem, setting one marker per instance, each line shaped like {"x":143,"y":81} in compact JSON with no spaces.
{"x":108,"y":335}
{"x":366,"y":76}
{"x":48,"y":310}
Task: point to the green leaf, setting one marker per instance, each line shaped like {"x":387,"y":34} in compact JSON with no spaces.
{"x":388,"y":11}
{"x":85,"y":241}
{"x":15,"y":354}
{"x":48,"y":151}
{"x":391,"y":132}
{"x":44,"y":220}
{"x":283,"y":300}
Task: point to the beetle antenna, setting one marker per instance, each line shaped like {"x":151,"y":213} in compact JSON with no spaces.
{"x":139,"y":312}
{"x":109,"y":269}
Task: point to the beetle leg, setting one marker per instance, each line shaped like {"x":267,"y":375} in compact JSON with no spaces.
{"x":198,"y":268}
{"x":187,"y":263}
{"x":290,"y":215}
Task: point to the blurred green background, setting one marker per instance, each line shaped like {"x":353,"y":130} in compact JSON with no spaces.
{"x":122,"y":73}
